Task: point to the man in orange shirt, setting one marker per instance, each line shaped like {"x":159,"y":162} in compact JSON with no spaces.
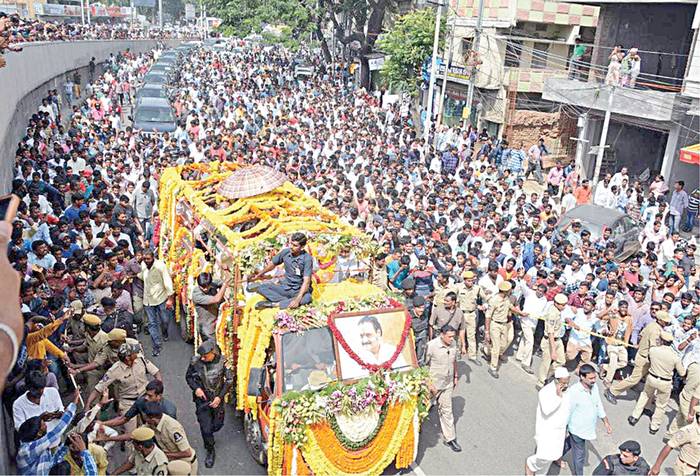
{"x":583,"y":193}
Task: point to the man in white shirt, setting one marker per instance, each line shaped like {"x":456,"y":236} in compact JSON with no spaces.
{"x":582,"y":325}
{"x":534,"y":306}
{"x":38,"y":400}
{"x":603,"y":195}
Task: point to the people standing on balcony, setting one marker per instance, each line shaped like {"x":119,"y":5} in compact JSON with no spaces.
{"x":614,"y":69}
{"x":630,"y":68}
{"x":576,"y":61}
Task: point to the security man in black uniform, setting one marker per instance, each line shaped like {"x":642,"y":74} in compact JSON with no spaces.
{"x":210,"y":381}
{"x":419,"y":324}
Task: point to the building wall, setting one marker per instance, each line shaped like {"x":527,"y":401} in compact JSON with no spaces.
{"x":31,"y":73}
{"x":649,"y":27}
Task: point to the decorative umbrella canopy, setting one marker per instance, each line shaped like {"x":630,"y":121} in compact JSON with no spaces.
{"x":251,"y":181}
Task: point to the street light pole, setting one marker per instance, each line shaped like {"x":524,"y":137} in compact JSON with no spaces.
{"x":603,"y":137}
{"x":433,"y":73}
{"x":475,"y":48}
{"x":447,"y":60}
{"x":160,"y":13}
{"x":82,"y":12}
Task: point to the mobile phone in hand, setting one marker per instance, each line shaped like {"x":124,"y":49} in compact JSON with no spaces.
{"x":8,"y":207}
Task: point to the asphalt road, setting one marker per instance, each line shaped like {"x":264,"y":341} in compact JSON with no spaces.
{"x":495,"y":422}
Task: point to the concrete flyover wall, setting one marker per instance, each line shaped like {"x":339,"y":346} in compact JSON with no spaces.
{"x":30,"y":73}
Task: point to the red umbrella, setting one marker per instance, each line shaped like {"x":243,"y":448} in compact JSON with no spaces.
{"x":251,"y":181}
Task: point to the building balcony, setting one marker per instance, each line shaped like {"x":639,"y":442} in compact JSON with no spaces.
{"x":637,"y":103}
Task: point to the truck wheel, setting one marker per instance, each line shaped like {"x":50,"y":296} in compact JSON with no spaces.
{"x":254,"y":440}
{"x":184,"y":328}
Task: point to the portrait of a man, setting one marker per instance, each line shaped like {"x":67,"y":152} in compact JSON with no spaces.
{"x":374,"y":338}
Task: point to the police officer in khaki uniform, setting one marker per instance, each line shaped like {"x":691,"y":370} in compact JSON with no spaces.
{"x":180,"y":468}
{"x":497,"y":316}
{"x":686,"y":410}
{"x":441,"y":288}
{"x":441,"y":359}
{"x":147,"y":459}
{"x":107,"y":354}
{"x":170,"y":435}
{"x":469,"y":295}
{"x":687,"y":442}
{"x":450,"y":314}
{"x":662,"y":361}
{"x":94,"y":339}
{"x":551,"y":344}
{"x":648,"y":338}
{"x":130,"y":374}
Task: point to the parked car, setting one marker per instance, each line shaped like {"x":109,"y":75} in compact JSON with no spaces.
{"x":154,"y":113}
{"x":594,"y":218}
{"x":151,"y":90}
{"x":155,"y":77}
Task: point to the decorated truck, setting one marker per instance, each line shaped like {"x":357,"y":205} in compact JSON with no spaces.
{"x":332,"y":387}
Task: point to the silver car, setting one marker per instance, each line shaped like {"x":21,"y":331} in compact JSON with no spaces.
{"x":594,"y":218}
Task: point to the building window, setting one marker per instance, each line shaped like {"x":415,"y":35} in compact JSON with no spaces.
{"x":466,"y":45}
{"x":539,"y":55}
{"x":513,"y":49}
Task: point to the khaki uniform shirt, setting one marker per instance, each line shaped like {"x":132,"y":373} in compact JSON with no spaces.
{"x":500,"y":308}
{"x":662,"y":360}
{"x":687,"y":440}
{"x":439,"y":294}
{"x":440,"y":360}
{"x":648,"y":338}
{"x":131,"y":381}
{"x":442,"y":316}
{"x":552,"y":323}
{"x":467,"y":297}
{"x":171,"y":437}
{"x":380,"y":277}
{"x":107,"y":356}
{"x":154,"y":464}
{"x":95,"y":344}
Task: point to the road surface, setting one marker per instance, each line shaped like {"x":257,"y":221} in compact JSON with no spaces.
{"x":495,"y":423}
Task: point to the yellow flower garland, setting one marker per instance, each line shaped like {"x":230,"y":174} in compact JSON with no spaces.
{"x":326,"y":456}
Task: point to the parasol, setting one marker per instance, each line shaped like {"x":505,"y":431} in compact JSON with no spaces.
{"x":251,"y":181}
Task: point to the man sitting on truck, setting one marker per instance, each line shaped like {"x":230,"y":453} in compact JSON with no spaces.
{"x":294,"y":289}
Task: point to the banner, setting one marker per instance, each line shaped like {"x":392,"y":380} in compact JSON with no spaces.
{"x":145,"y":3}
{"x":189,"y":11}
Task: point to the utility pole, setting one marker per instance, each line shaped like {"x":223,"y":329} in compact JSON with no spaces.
{"x":603,"y":137}
{"x":475,"y":48}
{"x":160,"y":14}
{"x":82,"y":12}
{"x":87,"y":2}
{"x":433,"y":73}
{"x":447,"y":60}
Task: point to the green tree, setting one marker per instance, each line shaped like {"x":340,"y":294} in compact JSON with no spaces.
{"x":408,"y":44}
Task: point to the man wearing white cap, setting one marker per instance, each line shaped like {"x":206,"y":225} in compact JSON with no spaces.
{"x":550,"y":425}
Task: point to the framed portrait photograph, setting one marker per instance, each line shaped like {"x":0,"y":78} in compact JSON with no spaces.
{"x":374,"y":337}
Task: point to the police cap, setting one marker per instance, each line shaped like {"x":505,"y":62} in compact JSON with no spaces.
{"x":418,"y":301}
{"x":142,"y":433}
{"x":116,"y":334}
{"x":179,"y":467}
{"x":91,"y":320}
{"x":206,"y":347}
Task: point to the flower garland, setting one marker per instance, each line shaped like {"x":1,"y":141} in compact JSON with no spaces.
{"x":356,"y":445}
{"x":297,"y":410}
{"x":325,"y":454}
{"x":372,"y":367}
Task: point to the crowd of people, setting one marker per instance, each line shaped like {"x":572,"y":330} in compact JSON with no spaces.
{"x":471,"y":251}
{"x":15,"y":30}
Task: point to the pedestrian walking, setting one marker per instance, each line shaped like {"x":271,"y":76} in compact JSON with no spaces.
{"x":497,"y":319}
{"x":170,"y":435}
{"x":210,"y":381}
{"x":441,"y":359}
{"x":550,"y":424}
{"x":471,"y":299}
{"x":157,"y":298}
{"x":586,"y":410}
